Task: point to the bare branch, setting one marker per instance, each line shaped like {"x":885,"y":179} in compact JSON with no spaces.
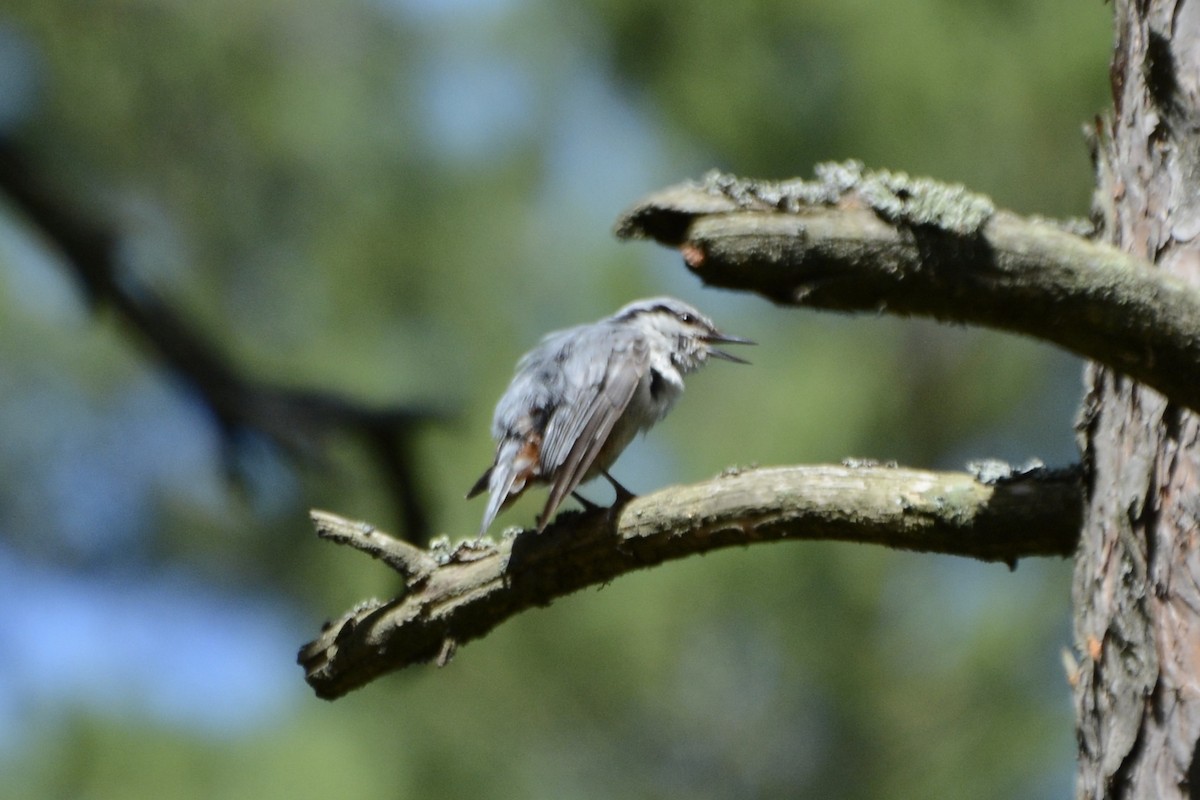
{"x":297,"y":419}
{"x":861,"y":241}
{"x":413,"y":563}
{"x":996,"y":514}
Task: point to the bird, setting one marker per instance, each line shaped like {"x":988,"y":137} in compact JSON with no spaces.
{"x":582,"y":394}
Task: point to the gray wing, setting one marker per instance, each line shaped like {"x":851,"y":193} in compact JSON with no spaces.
{"x":599,"y":377}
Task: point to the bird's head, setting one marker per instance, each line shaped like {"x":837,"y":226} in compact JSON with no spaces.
{"x":687,"y":334}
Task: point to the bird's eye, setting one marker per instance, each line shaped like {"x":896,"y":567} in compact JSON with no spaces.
{"x":687,"y":318}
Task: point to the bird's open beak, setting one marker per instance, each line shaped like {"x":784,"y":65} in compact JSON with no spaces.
{"x":720,"y":338}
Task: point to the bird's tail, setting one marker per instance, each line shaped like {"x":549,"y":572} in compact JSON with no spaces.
{"x":505,"y":481}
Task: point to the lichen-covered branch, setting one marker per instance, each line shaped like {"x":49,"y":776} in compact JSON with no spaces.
{"x":853,"y":240}
{"x":456,"y":594}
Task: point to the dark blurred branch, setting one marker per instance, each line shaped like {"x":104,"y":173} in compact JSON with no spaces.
{"x":298,"y":420}
{"x":454,"y":595}
{"x":880,"y":242}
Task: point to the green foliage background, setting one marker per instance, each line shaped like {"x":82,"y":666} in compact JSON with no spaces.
{"x":395,"y":198}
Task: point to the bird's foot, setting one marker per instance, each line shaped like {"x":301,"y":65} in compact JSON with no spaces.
{"x":588,"y":505}
{"x":623,"y":494}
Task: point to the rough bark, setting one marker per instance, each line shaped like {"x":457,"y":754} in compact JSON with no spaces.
{"x":1137,"y":595}
{"x":454,"y":595}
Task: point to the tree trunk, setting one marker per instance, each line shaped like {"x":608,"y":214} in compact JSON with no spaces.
{"x":1136,"y":590}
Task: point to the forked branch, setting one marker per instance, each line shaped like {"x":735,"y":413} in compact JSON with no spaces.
{"x":456,"y":594}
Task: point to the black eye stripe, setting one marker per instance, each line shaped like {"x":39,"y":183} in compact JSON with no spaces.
{"x":686,"y":317}
{"x":683,"y":316}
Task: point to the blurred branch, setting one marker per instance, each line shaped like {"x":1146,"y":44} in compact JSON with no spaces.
{"x":881,"y":242}
{"x":454,"y":595}
{"x":298,"y":420}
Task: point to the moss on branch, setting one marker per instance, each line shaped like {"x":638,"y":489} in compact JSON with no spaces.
{"x":456,"y":594}
{"x":854,"y":241}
